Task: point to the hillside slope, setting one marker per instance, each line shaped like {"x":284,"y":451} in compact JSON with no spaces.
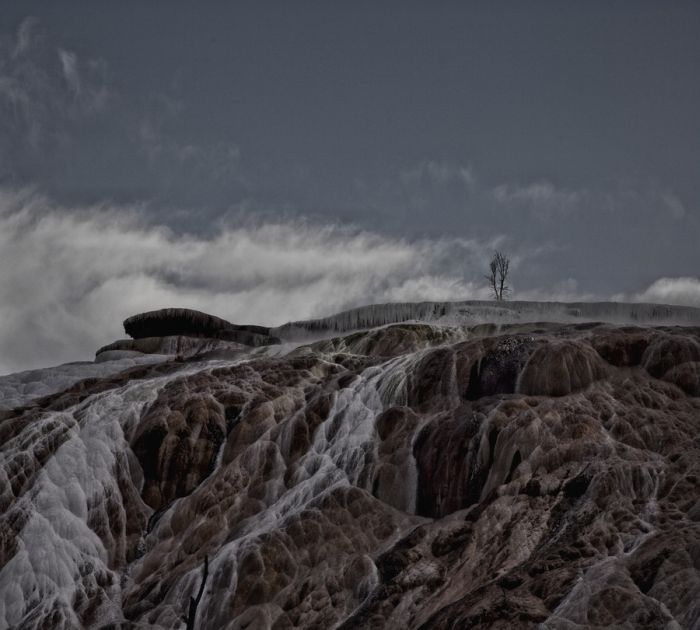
{"x":416,"y":475}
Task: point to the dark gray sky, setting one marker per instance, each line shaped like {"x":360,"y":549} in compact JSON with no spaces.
{"x":566,"y":133}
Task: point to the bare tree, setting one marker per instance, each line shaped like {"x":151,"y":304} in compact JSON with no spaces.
{"x":498,"y":273}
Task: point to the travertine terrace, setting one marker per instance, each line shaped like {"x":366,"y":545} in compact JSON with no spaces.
{"x":409,"y":467}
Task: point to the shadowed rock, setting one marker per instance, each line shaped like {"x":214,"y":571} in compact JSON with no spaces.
{"x":190,"y":323}
{"x":176,"y":444}
{"x":180,"y":345}
{"x":668,"y":351}
{"x":560,"y":368}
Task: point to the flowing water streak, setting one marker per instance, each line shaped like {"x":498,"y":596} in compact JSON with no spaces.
{"x":342,"y":453}
{"x":21,"y":388}
{"x":344,"y":445}
{"x":59,"y":557}
{"x":476,"y":312}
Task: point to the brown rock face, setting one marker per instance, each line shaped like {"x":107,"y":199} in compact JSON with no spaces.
{"x":176,"y":444}
{"x":410,"y":476}
{"x":561,"y":368}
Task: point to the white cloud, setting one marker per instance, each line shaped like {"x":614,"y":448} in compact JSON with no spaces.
{"x":683,"y":290}
{"x":69,"y":278}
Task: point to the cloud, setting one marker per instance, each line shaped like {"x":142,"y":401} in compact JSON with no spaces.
{"x":171,"y":157}
{"x":46,"y":91}
{"x":684,"y":291}
{"x":564,"y":291}
{"x":71,"y":276}
{"x":26,"y":33}
{"x":673,"y":204}
{"x":439,"y":173}
{"x":542,"y":197}
{"x":451,"y":191}
{"x":69,"y":65}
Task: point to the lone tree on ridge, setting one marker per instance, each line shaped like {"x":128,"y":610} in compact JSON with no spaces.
{"x":498,"y":273}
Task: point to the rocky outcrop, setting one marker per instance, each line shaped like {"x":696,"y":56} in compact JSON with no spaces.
{"x":183,"y":333}
{"x":169,"y":322}
{"x":410,"y":476}
{"x":181,"y":346}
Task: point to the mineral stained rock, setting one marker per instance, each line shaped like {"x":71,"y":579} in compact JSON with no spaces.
{"x":410,"y":476}
{"x":492,"y":313}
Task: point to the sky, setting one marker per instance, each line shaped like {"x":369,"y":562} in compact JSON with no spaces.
{"x":273,"y":161}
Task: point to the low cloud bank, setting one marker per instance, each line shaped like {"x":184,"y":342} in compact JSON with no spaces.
{"x":683,"y":291}
{"x":69,"y":277}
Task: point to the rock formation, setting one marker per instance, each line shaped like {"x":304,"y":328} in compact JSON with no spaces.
{"x":415,"y":475}
{"x":170,"y":322}
{"x":492,"y":313}
{"x":184,"y":333}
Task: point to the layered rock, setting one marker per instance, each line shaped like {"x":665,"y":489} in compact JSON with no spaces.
{"x":181,"y":346}
{"x":184,"y":333}
{"x":169,"y":322}
{"x":473,"y":312}
{"x":410,"y":476}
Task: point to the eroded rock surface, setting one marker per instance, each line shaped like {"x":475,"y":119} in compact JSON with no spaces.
{"x":178,"y":345}
{"x":169,"y":322}
{"x":410,"y":476}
